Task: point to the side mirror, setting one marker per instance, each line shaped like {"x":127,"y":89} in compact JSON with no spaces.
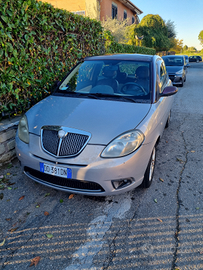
{"x":169,"y":91}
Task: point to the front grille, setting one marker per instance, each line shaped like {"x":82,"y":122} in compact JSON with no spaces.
{"x":63,"y":182}
{"x":172,"y":77}
{"x":70,"y":145}
{"x":50,"y":141}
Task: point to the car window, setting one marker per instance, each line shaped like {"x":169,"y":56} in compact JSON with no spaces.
{"x":173,"y":61}
{"x":163,"y":76}
{"x":110,"y":77}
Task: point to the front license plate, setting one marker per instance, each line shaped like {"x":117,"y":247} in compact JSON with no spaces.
{"x":55,"y":170}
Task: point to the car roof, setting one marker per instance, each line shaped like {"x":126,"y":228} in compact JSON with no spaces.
{"x":170,"y":56}
{"x":128,"y":57}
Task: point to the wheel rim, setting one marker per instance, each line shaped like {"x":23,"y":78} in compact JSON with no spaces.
{"x":152,"y":165}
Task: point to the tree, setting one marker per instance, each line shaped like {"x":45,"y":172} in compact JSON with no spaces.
{"x":192,"y":49}
{"x":117,"y":28}
{"x":155,"y":32}
{"x":185,"y":48}
{"x":171,"y":29}
{"x":178,"y":45}
{"x":200,"y":37}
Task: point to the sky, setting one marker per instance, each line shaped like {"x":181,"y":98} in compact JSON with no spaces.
{"x":187,"y":16}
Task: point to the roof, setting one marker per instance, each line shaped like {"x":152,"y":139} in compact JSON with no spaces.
{"x":172,"y":56}
{"x":127,"y":57}
{"x":131,"y":6}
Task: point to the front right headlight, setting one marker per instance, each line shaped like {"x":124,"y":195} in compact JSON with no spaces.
{"x":124,"y":144}
{"x":23,"y":131}
{"x":179,"y":72}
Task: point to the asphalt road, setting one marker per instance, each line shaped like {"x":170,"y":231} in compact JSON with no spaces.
{"x":157,"y":228}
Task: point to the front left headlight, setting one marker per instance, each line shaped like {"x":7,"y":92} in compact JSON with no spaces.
{"x":23,"y":131}
{"x":124,"y":144}
{"x":179,"y":72}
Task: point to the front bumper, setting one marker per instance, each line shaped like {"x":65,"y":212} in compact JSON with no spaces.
{"x":91,"y":174}
{"x":176,"y":79}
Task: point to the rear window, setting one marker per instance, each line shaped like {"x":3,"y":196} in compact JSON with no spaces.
{"x":173,"y":61}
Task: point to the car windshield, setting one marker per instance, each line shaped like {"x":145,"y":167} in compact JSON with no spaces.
{"x":109,"y":79}
{"x":173,"y":61}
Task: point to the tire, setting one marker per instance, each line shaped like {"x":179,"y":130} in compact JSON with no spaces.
{"x":181,"y":85}
{"x":197,"y":61}
{"x":168,"y":120}
{"x":148,"y":176}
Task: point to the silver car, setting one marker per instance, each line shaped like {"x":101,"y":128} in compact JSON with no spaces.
{"x":96,"y":134}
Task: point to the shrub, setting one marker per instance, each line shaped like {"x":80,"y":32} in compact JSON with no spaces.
{"x":112,"y":46}
{"x":38,"y":45}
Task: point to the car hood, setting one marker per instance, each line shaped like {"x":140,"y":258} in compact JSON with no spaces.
{"x":173,"y":69}
{"x":104,"y":119}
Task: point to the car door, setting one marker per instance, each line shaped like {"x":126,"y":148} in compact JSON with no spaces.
{"x":163,"y":104}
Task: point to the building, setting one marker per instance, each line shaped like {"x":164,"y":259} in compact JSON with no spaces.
{"x":100,"y":9}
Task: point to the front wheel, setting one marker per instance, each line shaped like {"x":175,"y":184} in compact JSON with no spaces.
{"x":148,"y":176}
{"x":168,"y":120}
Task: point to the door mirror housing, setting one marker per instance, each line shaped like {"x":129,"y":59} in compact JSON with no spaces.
{"x":169,"y":91}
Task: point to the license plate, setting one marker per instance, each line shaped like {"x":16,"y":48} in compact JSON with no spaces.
{"x":55,"y":170}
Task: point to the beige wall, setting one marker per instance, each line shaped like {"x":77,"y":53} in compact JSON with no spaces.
{"x":70,"y":5}
{"x":92,"y":8}
{"x":106,"y":10}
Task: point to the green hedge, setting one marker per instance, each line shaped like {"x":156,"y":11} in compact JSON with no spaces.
{"x":124,"y":48}
{"x":113,"y":47}
{"x":38,"y":45}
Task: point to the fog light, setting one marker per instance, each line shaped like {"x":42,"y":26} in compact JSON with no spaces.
{"x":117,"y":184}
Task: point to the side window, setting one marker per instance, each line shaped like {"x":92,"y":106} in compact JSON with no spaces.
{"x":114,"y":11}
{"x":125,"y":15}
{"x":163,"y":76}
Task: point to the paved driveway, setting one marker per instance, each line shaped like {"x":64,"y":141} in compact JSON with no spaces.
{"x":157,"y":228}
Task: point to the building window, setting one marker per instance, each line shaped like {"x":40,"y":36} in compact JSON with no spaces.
{"x":125,"y":15}
{"x":133,"y":19}
{"x":114,"y":11}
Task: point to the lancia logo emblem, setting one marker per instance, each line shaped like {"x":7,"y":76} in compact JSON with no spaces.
{"x":61,"y":133}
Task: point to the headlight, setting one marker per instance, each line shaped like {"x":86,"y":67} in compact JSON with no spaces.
{"x":23,"y":132}
{"x":123,"y":145}
{"x":179,"y":72}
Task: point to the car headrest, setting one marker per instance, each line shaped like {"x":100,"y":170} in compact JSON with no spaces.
{"x":142,"y":72}
{"x":110,"y":71}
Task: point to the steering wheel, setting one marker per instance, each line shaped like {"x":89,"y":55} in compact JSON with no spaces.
{"x":124,"y":88}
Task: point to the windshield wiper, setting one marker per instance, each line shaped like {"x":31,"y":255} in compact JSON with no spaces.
{"x":67,"y":92}
{"x":131,"y":99}
{"x":98,"y":95}
{"x":117,"y":97}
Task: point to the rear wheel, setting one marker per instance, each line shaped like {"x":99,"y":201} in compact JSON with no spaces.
{"x":148,"y":176}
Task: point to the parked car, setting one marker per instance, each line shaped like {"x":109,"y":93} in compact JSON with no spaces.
{"x":176,"y":68}
{"x":96,"y":134}
{"x":187,"y":60}
{"x":195,"y":58}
